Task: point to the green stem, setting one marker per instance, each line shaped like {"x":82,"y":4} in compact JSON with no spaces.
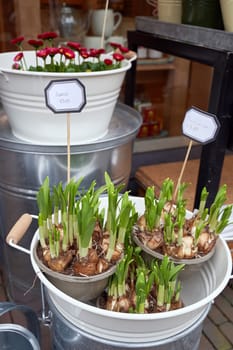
{"x":160,"y":295}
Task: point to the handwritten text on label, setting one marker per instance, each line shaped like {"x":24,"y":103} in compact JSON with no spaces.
{"x":200,"y":126}
{"x":65,"y":96}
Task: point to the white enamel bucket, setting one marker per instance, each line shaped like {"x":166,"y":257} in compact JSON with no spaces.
{"x":23,"y":98}
{"x":201,"y":284}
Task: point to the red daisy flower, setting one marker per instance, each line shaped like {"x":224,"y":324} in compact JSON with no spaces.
{"x":100,"y":51}
{"x":35,"y":43}
{"x":84,"y":53}
{"x":18,"y":40}
{"x":61,"y":49}
{"x":18,"y":57}
{"x":108,"y":61}
{"x":52,"y":51}
{"x":68,"y":53}
{"x":96,"y":52}
{"x":73,"y":45}
{"x":124,"y":49}
{"x":118,"y":56}
{"x":115,"y":45}
{"x":42,"y":53}
{"x":47,"y":35}
{"x":93,"y":53}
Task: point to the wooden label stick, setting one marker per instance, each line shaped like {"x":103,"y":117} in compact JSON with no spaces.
{"x":68,"y":147}
{"x":183,"y":168}
{"x":104,"y":24}
{"x":74,"y":101}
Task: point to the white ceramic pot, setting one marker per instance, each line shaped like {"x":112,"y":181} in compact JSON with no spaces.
{"x":170,"y":11}
{"x":199,"y":288}
{"x":23,"y":98}
{"x":227,"y":14}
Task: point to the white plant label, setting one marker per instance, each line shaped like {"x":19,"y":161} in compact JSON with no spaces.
{"x":65,"y":96}
{"x":200,"y":126}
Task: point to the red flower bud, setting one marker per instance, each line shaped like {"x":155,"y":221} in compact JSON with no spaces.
{"x":16,"y":66}
{"x":73,"y":45}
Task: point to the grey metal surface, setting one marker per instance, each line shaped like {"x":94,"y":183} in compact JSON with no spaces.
{"x":111,"y":153}
{"x":123,"y":126}
{"x":202,"y":36}
{"x":16,"y":336}
{"x":24,"y":167}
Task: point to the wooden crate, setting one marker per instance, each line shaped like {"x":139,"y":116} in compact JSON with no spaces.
{"x":134,"y":8}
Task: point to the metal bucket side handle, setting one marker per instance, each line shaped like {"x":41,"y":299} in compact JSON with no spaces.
{"x":229,"y":238}
{"x":18,"y":231}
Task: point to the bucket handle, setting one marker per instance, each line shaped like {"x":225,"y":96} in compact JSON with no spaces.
{"x":132,"y":56}
{"x":18,"y":231}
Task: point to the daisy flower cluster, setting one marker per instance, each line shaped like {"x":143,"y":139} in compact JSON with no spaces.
{"x":72,"y":57}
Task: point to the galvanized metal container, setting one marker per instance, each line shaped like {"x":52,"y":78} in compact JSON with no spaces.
{"x":16,"y":336}
{"x":24,"y":166}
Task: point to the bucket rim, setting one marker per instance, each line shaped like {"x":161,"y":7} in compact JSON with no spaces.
{"x":135,"y":345}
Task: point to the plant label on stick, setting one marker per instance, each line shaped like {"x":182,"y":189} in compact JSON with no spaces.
{"x":66,"y":96}
{"x":200,"y":126}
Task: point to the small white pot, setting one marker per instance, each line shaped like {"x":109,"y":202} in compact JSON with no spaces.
{"x":23,"y":98}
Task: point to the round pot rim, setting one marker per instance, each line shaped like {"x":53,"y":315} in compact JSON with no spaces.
{"x":71,"y":278}
{"x":155,"y":254}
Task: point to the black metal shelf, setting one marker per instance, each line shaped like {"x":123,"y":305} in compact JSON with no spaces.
{"x":204,"y":45}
